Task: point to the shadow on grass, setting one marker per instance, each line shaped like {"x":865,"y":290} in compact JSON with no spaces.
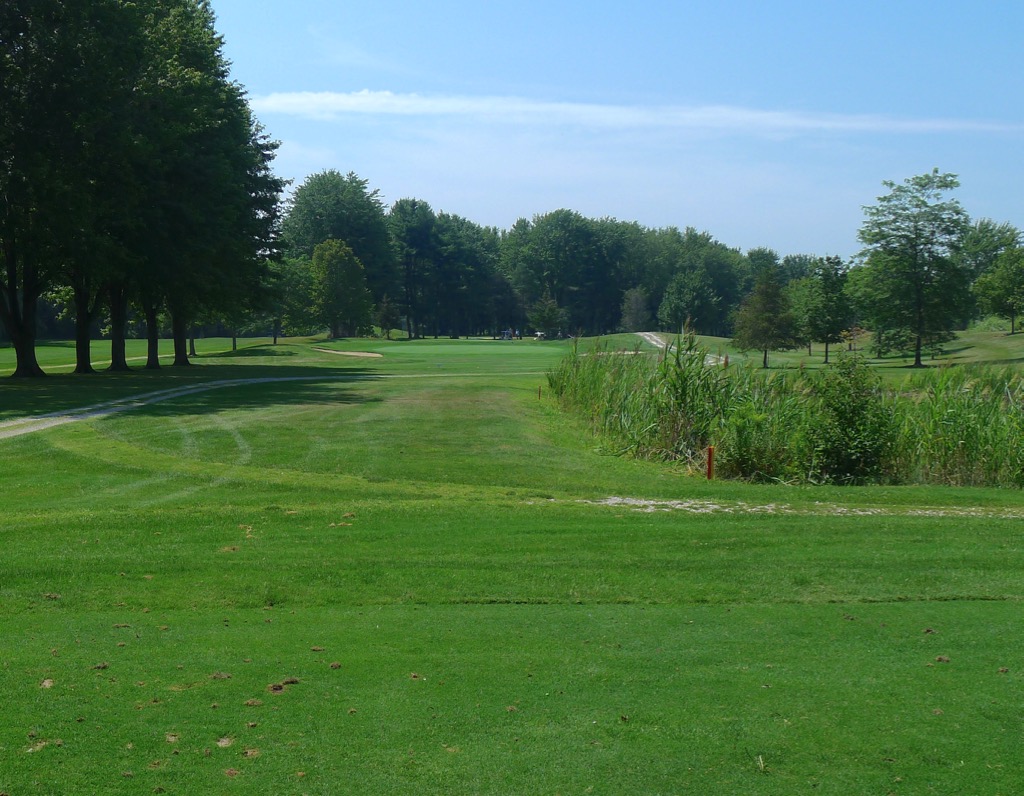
{"x":1004,"y":362}
{"x":283,"y":384}
{"x":252,"y":351}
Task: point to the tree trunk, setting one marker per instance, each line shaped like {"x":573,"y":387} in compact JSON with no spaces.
{"x":18,"y":312}
{"x":234,"y":340}
{"x":25,"y":353}
{"x":192,"y":341}
{"x":118,"y":318}
{"x":152,"y":335}
{"x":917,"y":352}
{"x":84,"y":315}
{"x":179,"y":332}
{"x":826,"y":352}
{"x":765,"y":363}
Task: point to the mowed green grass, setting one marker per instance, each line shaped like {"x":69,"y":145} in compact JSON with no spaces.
{"x":975,"y":347}
{"x":399,"y":574}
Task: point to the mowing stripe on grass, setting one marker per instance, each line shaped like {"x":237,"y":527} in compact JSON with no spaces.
{"x":28,"y":425}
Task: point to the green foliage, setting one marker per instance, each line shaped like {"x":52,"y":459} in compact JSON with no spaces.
{"x":292,"y":296}
{"x":387,"y":316}
{"x":547,"y":317}
{"x":332,"y":206}
{"x":451,"y":283}
{"x":664,"y":410}
{"x":1000,"y":290}
{"x":133,"y":168}
{"x":690,"y":299}
{"x":764,"y":321}
{"x":959,"y":426}
{"x":763,"y":427}
{"x":963,"y":427}
{"x":636,"y":311}
{"x":982,"y":244}
{"x":340,"y":298}
{"x":911,"y":237}
{"x":852,"y":433}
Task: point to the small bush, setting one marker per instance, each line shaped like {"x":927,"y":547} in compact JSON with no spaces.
{"x":851,"y":431}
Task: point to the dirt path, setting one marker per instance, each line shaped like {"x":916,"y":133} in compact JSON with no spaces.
{"x":658,"y":340}
{"x":348,"y":353}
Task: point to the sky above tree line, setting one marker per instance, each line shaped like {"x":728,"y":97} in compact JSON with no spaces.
{"x":766,"y":124}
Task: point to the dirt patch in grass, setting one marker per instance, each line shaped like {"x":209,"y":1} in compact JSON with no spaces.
{"x":349,"y":353}
{"x":739,"y":507}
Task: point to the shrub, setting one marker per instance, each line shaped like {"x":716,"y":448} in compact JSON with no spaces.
{"x":956,"y":426}
{"x":851,"y":432}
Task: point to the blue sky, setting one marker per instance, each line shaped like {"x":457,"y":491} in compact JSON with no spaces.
{"x":764,"y":123}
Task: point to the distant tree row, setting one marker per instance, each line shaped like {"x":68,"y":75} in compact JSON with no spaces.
{"x":133,"y":176}
{"x":925,"y":271}
{"x":440,"y":274}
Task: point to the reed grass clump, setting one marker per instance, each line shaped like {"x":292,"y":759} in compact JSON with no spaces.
{"x":952,"y":426}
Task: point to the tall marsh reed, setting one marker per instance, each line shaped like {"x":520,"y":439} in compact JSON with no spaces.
{"x":955,"y":426}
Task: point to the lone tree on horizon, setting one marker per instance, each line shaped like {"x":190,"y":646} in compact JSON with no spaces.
{"x":911,"y":238}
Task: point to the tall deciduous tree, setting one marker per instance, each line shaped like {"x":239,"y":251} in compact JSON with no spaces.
{"x":910,"y":239}
{"x":636,"y":311}
{"x":982,"y":243}
{"x":830,"y":315}
{"x":332,"y":206}
{"x":764,"y":321}
{"x":690,"y":299}
{"x":413,"y":227}
{"x":1000,"y":290}
{"x":42,"y":206}
{"x":340,"y":297}
{"x":131,"y":166}
{"x":573,"y":260}
{"x":218,"y":215}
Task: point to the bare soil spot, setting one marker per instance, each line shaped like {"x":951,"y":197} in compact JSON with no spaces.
{"x":367,"y":354}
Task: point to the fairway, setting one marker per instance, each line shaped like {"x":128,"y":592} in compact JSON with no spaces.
{"x":303,"y":572}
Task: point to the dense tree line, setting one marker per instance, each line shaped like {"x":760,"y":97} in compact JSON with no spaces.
{"x":136,"y":190}
{"x":560,"y":272}
{"x":925,"y":270}
{"x":133,"y":174}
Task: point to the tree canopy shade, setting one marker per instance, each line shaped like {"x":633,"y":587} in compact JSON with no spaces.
{"x":911,"y":237}
{"x":132,"y":168}
{"x":40,"y":141}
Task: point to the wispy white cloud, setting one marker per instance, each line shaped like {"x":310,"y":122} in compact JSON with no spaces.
{"x":722,"y":118}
